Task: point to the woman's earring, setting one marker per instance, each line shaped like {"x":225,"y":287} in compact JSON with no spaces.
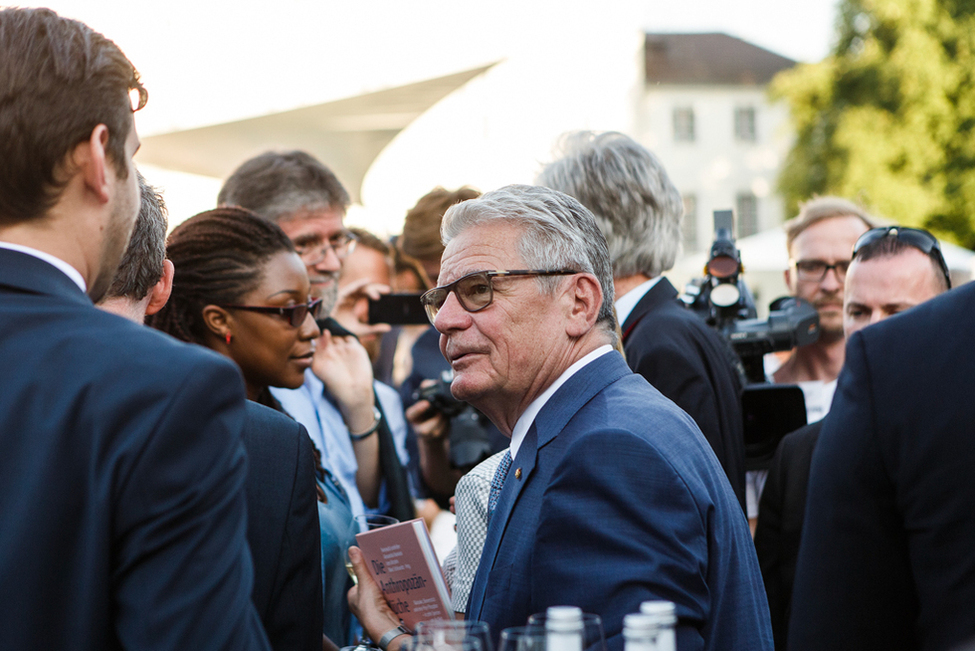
{"x":228,"y":338}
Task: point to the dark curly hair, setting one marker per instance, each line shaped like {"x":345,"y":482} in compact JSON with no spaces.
{"x":219,"y":257}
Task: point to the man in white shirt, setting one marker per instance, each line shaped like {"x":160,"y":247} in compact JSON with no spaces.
{"x":610,"y":495}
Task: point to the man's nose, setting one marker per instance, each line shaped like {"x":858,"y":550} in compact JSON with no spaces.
{"x":451,"y":315}
{"x":330,"y":263}
{"x":832,"y":280}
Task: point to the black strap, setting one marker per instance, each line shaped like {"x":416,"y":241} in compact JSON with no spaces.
{"x":397,"y":487}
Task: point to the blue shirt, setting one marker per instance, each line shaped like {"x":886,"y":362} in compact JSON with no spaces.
{"x":314,"y":408}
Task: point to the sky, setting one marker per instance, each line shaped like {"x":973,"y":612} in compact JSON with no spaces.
{"x":213,"y":61}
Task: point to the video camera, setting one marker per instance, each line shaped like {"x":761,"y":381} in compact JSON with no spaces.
{"x":723,"y":300}
{"x":469,"y":441}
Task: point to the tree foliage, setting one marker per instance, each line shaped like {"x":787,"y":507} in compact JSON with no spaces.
{"x":888,"y":119}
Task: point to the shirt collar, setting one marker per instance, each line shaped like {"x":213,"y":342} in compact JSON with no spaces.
{"x":67,"y":269}
{"x":628,"y":301}
{"x":524,"y":422}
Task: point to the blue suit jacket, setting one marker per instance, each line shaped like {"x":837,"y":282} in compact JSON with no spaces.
{"x":887,"y":559}
{"x":689,"y":363}
{"x":621,"y":500}
{"x":122,"y":514}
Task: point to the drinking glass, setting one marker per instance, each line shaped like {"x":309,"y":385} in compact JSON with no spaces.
{"x":593,"y":638}
{"x":452,"y":633}
{"x":523,"y":638}
{"x":427,"y":643}
{"x":362,"y":524}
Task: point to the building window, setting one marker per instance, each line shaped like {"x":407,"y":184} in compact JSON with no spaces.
{"x":689,"y":226}
{"x":684,"y":124}
{"x":747,"y":205}
{"x":745,"y":124}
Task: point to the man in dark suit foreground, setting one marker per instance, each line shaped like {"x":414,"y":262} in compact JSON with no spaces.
{"x":282,"y":515}
{"x":121,"y":478}
{"x":887,"y":276}
{"x":613,"y":496}
{"x":639,"y":212}
{"x":886,"y":557}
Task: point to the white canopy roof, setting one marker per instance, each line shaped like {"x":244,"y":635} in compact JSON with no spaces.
{"x":346,"y":134}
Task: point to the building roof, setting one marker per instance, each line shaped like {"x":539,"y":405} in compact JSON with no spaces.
{"x":709,"y":59}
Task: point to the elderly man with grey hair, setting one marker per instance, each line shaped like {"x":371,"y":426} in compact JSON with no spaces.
{"x":639,"y":212}
{"x":609,"y":496}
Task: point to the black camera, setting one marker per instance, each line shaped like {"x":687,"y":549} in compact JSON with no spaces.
{"x":722,"y":299}
{"x":470,"y":442}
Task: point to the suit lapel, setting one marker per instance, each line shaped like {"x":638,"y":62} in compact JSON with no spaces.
{"x":553,"y":417}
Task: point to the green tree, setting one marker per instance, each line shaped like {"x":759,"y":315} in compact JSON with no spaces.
{"x":888,"y":119}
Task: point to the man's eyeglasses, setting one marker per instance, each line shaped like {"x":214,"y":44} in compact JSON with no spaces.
{"x":815,"y":270}
{"x":314,"y":252}
{"x":475,"y":291}
{"x":293,"y":314}
{"x":919,"y":238}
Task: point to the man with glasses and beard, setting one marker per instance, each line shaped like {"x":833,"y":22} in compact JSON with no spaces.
{"x":819,"y":241}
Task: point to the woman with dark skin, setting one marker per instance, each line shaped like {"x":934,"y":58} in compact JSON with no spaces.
{"x":241,"y":290}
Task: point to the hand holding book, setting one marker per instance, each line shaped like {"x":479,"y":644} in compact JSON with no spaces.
{"x":368,"y":603}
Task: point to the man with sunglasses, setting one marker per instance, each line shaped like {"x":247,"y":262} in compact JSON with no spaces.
{"x":893,"y":269}
{"x":357,"y":424}
{"x":610,"y":495}
{"x":885,"y":560}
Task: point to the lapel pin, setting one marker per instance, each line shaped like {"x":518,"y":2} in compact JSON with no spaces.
{"x":518,"y":473}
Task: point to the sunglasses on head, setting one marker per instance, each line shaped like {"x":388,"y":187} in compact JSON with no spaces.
{"x":919,"y":238}
{"x":293,"y":314}
{"x":475,"y":291}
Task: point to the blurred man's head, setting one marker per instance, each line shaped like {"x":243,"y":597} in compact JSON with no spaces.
{"x":65,"y":116}
{"x":368,"y":261}
{"x":893,"y":270}
{"x":820,"y":243}
{"x":144,"y":279}
{"x":625,"y":186}
{"x":307,"y":201}
{"x":421,"y":230}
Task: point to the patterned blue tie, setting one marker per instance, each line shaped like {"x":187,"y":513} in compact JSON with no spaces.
{"x":497,"y":482}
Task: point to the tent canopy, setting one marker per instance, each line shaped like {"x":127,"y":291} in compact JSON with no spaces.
{"x":348,"y":134}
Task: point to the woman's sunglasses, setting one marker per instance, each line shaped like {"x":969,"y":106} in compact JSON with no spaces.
{"x":293,"y":314}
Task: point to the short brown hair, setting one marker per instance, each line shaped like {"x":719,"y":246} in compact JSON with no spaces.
{"x":142,"y":264}
{"x":276,"y":185}
{"x":59,"y":79}
{"x":421,"y":230}
{"x":818,"y":209}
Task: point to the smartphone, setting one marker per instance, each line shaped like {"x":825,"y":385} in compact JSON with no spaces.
{"x":397,"y":309}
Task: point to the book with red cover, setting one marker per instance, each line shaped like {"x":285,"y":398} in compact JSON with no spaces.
{"x":404,"y":564}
